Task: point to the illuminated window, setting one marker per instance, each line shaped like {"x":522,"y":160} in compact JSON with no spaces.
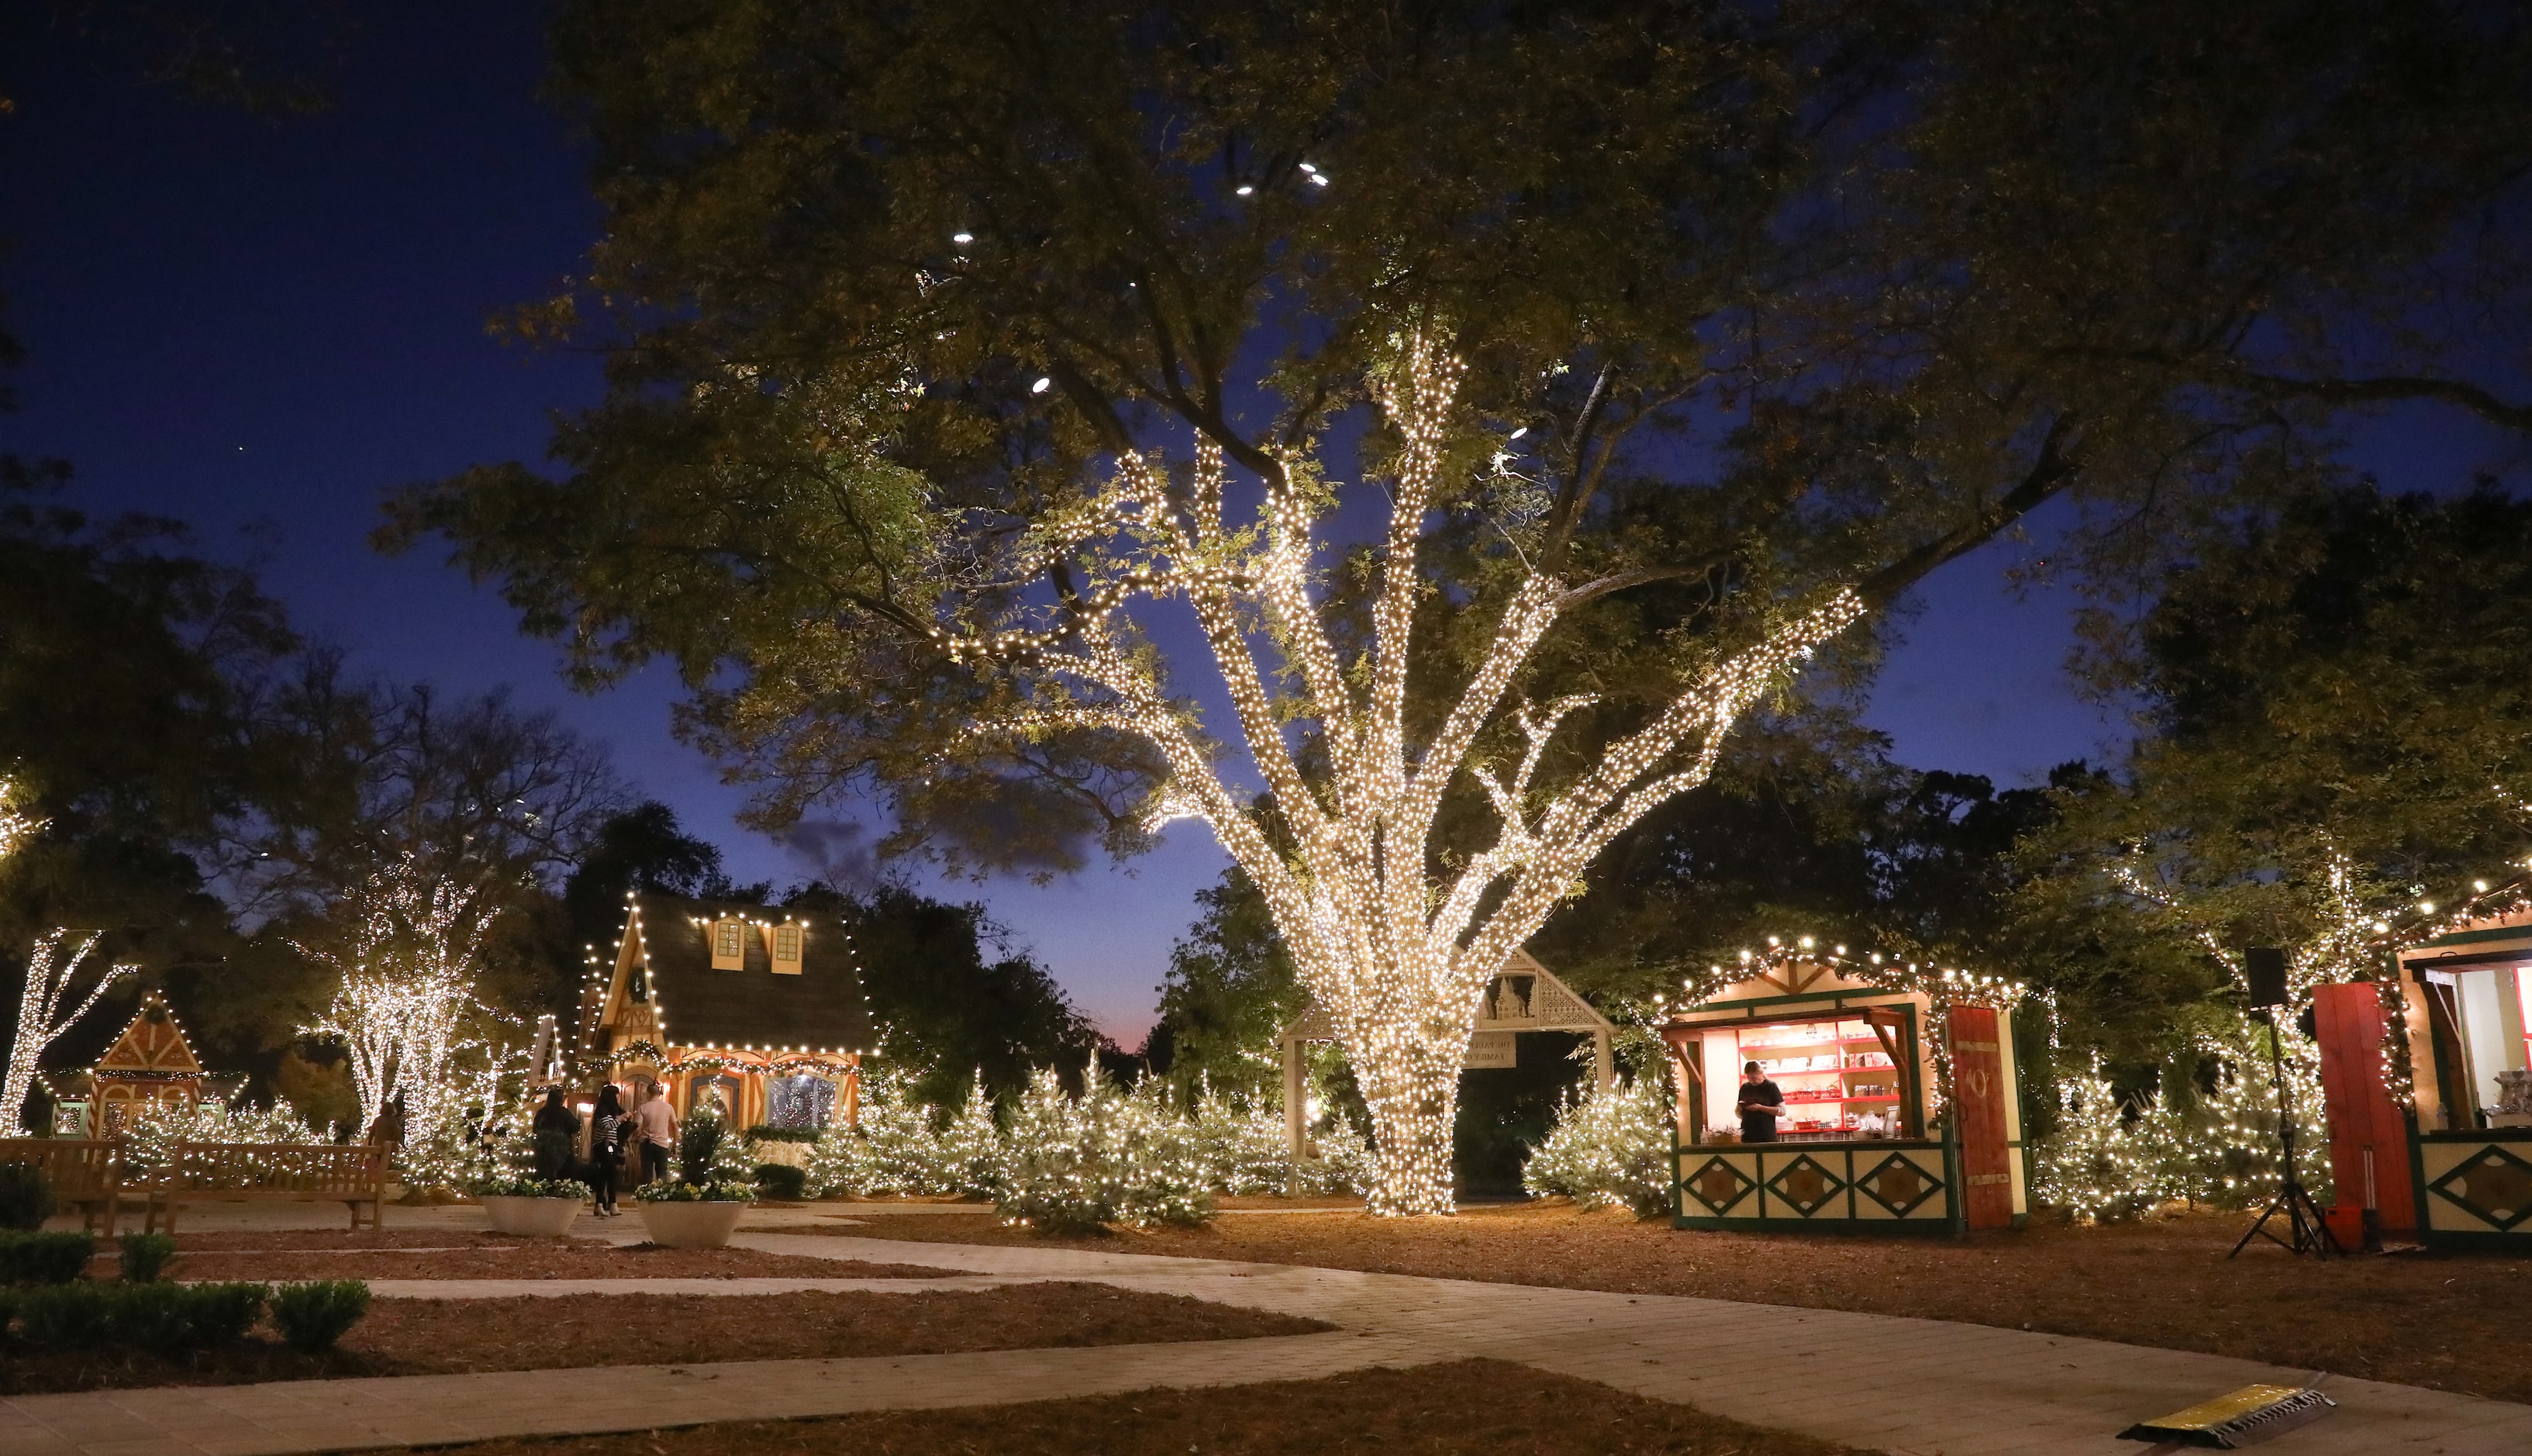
{"x":729,"y":945}
{"x":784,"y":945}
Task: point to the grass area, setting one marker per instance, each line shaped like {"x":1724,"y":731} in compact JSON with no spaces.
{"x":1465,"y":1405}
{"x":2448,"y":1321}
{"x":427,"y":1337}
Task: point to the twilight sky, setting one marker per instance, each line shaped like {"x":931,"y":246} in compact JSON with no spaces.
{"x":259,"y":327}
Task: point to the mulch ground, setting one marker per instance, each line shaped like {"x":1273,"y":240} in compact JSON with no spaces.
{"x":418,"y":1254}
{"x":2446,"y":1322}
{"x":431,"y":1337}
{"x":1467,"y":1405}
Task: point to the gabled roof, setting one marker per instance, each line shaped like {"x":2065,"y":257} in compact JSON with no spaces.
{"x":667,"y":961}
{"x":151,"y":1045}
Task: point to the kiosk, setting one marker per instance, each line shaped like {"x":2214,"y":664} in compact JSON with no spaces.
{"x":2466,"y":1001}
{"x":1901,"y":1098}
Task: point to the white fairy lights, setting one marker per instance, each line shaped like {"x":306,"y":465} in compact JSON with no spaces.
{"x":1398,"y":954}
{"x":407,"y":998}
{"x":49,"y":973}
{"x":16,"y":827}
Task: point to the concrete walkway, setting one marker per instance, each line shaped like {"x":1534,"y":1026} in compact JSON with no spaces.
{"x":1911,"y":1387}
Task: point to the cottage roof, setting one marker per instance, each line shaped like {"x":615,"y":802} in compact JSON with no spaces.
{"x":819,"y":1008}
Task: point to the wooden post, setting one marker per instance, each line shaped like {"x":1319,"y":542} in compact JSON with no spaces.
{"x":851,"y":1091}
{"x":1603,"y":1060}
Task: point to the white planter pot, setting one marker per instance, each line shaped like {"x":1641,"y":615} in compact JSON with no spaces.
{"x":537,"y":1218}
{"x":692,"y":1225}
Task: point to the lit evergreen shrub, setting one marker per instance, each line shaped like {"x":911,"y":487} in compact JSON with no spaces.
{"x":1609,"y":1147}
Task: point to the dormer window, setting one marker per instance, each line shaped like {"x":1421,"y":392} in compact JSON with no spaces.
{"x":783,"y":946}
{"x":728,"y":945}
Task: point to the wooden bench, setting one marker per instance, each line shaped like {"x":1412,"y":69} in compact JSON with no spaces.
{"x":82,"y":1173}
{"x":270,"y":1173}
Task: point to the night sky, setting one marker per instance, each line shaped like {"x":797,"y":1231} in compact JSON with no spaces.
{"x":261,"y":325}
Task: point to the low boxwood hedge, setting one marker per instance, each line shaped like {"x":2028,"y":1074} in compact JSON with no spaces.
{"x":44,"y":1259}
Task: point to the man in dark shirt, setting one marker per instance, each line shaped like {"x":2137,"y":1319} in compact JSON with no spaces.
{"x":1760,"y":1105}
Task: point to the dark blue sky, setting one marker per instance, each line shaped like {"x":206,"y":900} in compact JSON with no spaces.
{"x":260,"y":326}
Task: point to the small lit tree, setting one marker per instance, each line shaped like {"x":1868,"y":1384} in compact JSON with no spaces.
{"x":407,"y":1011}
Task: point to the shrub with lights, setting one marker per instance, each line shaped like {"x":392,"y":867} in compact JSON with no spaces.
{"x":150,"y":1137}
{"x":1610,"y":1147}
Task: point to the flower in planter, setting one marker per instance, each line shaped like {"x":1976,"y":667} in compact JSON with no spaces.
{"x":664,"y":1191}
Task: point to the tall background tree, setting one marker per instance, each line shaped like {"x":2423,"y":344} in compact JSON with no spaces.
{"x":906,"y":304}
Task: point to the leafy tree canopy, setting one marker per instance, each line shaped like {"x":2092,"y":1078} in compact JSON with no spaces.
{"x":2339,"y":686}
{"x":1777,"y":295}
{"x":952,"y":996}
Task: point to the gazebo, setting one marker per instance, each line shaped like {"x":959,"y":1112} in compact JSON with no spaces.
{"x":1524,"y":996}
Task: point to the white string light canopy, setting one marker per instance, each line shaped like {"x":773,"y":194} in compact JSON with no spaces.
{"x":1397,"y":952}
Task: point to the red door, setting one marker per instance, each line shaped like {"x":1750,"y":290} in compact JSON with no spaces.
{"x":1977,"y":1112}
{"x":2369,"y":1139}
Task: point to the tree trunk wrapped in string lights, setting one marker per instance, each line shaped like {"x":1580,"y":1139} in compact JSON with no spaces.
{"x":1398,"y":946}
{"x":417,"y":1035}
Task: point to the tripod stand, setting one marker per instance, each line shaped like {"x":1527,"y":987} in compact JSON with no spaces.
{"x":2309,"y":1233}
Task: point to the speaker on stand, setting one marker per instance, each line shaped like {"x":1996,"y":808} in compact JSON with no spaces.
{"x":2263,"y":971}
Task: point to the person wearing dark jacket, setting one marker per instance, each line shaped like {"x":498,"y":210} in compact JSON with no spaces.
{"x":605,"y":1151}
{"x":554,"y":1131}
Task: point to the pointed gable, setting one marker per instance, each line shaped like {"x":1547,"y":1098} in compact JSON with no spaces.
{"x":151,"y":1045}
{"x":794,"y":981}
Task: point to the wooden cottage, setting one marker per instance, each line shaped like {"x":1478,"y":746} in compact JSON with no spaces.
{"x":755,"y":1012}
{"x":149,"y":1064}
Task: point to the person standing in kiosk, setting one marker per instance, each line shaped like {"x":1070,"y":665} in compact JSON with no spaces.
{"x":1761,"y":1103}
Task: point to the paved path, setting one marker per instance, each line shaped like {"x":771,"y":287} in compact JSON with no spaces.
{"x":1911,"y":1387}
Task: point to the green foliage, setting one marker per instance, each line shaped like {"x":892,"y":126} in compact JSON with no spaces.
{"x":1075,"y":1164}
{"x":698,"y":1147}
{"x":144,"y":1255}
{"x":157,"y":1317}
{"x":782,"y":1181}
{"x":1229,"y":993}
{"x":668,"y":1191}
{"x":312,"y":1317}
{"x":44,"y":1259}
{"x":163,"y":1319}
{"x":1610,"y":1146}
{"x":67,"y":1317}
{"x":2116,"y":1155}
{"x":765,"y":1133}
{"x":26,"y":1198}
{"x":224,"y":1312}
{"x":528,"y":1188}
{"x":150,"y":1139}
{"x":955,"y":995}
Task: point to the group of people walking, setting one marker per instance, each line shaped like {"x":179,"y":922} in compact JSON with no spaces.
{"x":648,"y":1132}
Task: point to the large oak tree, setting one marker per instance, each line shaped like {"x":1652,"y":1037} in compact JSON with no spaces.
{"x":1492,"y":403}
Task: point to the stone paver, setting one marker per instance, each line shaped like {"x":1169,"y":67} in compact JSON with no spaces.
{"x":1910,"y":1387}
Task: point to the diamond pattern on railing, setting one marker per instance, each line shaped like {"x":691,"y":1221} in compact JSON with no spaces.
{"x":1717,"y":1185}
{"x":1899,"y":1183}
{"x":1806,"y":1183}
{"x":2491,"y":1184}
